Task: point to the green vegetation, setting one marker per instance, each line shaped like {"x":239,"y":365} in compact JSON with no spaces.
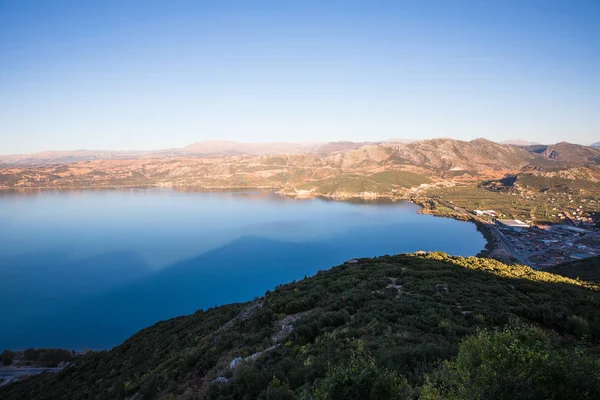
{"x":523,"y":202}
{"x":362,"y":378}
{"x":542,"y":183}
{"x":48,"y":357}
{"x":7,"y":357}
{"x":516,"y":363}
{"x":391,"y":326}
{"x":381,"y":183}
{"x":346,"y":183}
{"x":490,"y":239}
{"x":433,"y":206}
{"x":404,"y":179}
{"x":587,"y":269}
{"x":477,"y":197}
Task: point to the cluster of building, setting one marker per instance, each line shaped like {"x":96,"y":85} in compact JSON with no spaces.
{"x":577,"y":216}
{"x":547,"y":246}
{"x":542,"y":247}
{"x":574,"y":212}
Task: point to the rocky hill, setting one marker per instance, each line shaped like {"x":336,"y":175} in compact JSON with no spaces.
{"x":478,"y":154}
{"x":568,"y":153}
{"x":369,"y":329}
{"x":451,"y":152}
{"x":295,"y":167}
{"x":440,"y":155}
{"x":581,"y":173}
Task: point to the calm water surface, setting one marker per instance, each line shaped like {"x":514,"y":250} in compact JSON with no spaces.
{"x":89,"y":268}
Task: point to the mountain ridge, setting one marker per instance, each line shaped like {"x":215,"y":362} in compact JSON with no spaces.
{"x":217,"y":148}
{"x":518,"y":142}
{"x":336,"y":169}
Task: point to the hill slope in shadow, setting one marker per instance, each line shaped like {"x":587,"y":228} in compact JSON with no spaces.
{"x":408,"y":311}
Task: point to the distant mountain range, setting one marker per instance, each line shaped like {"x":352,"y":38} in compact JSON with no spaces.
{"x":199,"y":149}
{"x":518,"y":142}
{"x":435,"y":153}
{"x":596,"y":145}
{"x":336,"y":167}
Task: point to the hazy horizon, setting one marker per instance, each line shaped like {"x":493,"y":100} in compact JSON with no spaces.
{"x":207,"y":141}
{"x":148,"y":75}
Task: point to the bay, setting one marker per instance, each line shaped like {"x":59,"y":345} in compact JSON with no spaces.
{"x":88,"y":268}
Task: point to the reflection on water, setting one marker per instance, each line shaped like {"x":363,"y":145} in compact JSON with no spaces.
{"x":89,"y":268}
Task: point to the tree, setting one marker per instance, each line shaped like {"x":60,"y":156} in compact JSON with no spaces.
{"x":277,"y":391}
{"x":7,"y":357}
{"x":515,"y":363}
{"x":361,"y":378}
{"x":150,"y":389}
{"x":118,"y":391}
{"x":31,"y":354}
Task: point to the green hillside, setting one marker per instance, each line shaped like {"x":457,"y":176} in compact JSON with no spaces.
{"x":587,"y":269}
{"x":346,"y":183}
{"x":405,"y":179}
{"x":381,"y":182}
{"x":378,"y":328}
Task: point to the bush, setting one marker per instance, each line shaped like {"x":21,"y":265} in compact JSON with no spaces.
{"x":7,"y":357}
{"x":515,"y":363}
{"x":361,"y":378}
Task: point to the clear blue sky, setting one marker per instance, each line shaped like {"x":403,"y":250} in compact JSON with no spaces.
{"x":150,"y":74}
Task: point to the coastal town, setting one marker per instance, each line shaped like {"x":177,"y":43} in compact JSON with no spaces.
{"x":544,"y":246}
{"x":537,"y":245}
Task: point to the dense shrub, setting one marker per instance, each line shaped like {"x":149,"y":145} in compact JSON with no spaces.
{"x":361,"y":379}
{"x":405,"y":333}
{"x":516,"y":363}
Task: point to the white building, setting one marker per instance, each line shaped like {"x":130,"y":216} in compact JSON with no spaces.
{"x":513,"y":223}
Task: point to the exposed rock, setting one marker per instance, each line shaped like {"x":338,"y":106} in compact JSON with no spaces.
{"x":284,"y":326}
{"x":248,"y":311}
{"x":235,"y":362}
{"x":259,"y":353}
{"x":572,"y":153}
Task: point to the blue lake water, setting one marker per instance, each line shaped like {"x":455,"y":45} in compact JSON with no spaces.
{"x":89,"y":268}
